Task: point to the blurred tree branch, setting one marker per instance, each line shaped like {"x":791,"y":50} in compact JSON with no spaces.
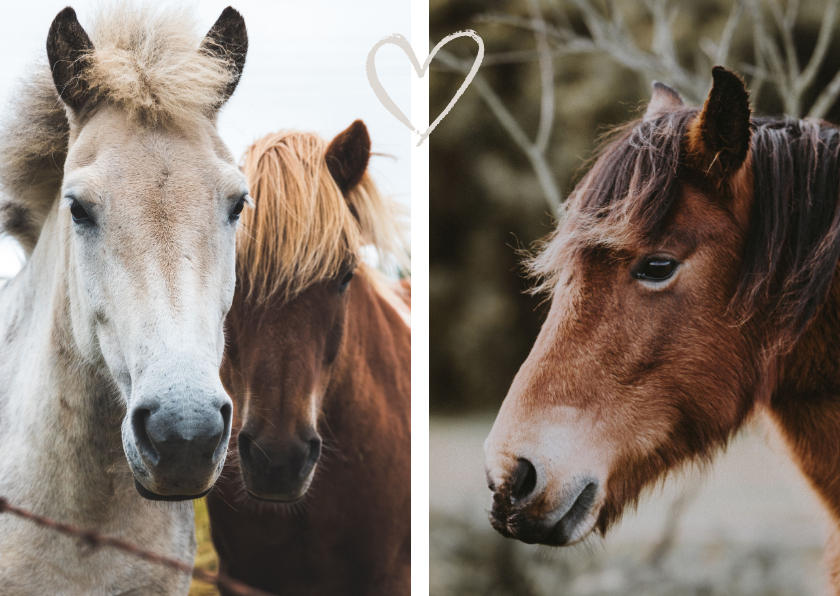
{"x":607,"y":32}
{"x":546,"y":78}
{"x":775,"y":50}
{"x":534,"y":150}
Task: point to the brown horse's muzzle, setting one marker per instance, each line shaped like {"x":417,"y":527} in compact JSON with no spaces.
{"x":521,"y":507}
{"x":279,"y":471}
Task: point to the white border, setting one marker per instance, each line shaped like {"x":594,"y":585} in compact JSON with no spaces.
{"x":419,"y":307}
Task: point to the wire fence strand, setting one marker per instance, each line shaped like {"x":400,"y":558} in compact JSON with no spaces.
{"x":94,"y":539}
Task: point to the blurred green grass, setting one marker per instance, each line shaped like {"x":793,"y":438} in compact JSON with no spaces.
{"x":205,"y":556}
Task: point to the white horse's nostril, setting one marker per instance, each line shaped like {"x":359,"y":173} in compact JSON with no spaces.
{"x":139,"y":424}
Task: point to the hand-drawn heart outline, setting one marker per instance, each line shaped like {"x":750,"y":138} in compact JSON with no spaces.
{"x":402,"y":43}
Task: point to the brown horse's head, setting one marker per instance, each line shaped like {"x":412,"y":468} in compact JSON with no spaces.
{"x":315,"y":209}
{"x":664,"y":281}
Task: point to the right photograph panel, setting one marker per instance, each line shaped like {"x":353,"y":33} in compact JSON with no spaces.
{"x":635,"y":319}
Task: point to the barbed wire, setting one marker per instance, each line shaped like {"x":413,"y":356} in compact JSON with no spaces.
{"x":94,"y":539}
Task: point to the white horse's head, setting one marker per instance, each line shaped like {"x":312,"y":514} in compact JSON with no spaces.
{"x":149,"y":206}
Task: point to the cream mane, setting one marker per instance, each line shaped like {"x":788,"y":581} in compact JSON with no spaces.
{"x":146,"y":61}
{"x":302,"y":228}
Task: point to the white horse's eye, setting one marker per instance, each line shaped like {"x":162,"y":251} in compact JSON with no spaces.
{"x":237,"y":209}
{"x":80,"y":216}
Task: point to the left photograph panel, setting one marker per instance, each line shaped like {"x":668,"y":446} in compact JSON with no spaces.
{"x":205,"y":300}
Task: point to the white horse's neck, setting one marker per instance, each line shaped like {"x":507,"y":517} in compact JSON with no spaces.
{"x":61,"y":452}
{"x":50,"y":390}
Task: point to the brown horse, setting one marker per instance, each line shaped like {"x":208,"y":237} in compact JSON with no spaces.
{"x":692,"y":284}
{"x":318,"y":366}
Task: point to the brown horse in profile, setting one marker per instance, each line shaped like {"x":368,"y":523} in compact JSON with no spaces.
{"x":692,"y":284}
{"x":318,"y":366}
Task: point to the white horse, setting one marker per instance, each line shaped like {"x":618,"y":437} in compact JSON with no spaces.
{"x":126,"y":201}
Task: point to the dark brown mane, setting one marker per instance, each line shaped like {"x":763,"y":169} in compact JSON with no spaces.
{"x":793,"y":241}
{"x":642,"y":163}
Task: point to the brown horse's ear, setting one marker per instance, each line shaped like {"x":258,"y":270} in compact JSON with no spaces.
{"x":68,"y":52}
{"x":228,"y":39}
{"x":719,"y":138}
{"x":664,"y":99}
{"x":347,"y":156}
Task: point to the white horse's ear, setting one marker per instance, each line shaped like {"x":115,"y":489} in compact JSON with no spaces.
{"x":228,"y":39}
{"x":663,"y":100}
{"x":68,"y":51}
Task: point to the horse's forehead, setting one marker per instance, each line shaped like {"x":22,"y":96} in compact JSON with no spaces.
{"x":695,"y":218}
{"x":133,"y":167}
{"x":132,"y":147}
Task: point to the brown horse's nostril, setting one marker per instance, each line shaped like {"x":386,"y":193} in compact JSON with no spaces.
{"x":279,"y":471}
{"x":312,"y":459}
{"x":297,"y":458}
{"x":524,"y":480}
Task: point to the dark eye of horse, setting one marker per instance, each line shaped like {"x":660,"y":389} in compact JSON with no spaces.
{"x":79,"y":214}
{"x":237,"y":209}
{"x":656,"y":269}
{"x":345,"y":281}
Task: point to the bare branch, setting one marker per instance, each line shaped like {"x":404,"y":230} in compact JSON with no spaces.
{"x":617,"y":16}
{"x":774,"y":47}
{"x":547,"y":78}
{"x":663,"y":41}
{"x":503,"y":19}
{"x":545,"y":177}
{"x":791,"y":13}
{"x":786,"y":30}
{"x":771,"y":61}
{"x":560,"y":14}
{"x":728,"y":32}
{"x":513,"y":57}
{"x":761,"y":68}
{"x":823,"y":40}
{"x":609,"y":34}
{"x":592,"y":18}
{"x":826,"y":99}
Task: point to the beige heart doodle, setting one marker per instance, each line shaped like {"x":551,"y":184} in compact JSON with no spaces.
{"x":402,"y":43}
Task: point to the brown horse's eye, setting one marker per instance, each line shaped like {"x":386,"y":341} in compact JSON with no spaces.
{"x":656,"y":269}
{"x":345,"y":281}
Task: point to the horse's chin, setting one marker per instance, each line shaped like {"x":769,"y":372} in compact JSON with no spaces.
{"x":264,"y":491}
{"x":279,"y":499}
{"x":152,"y":496}
{"x":562,"y":534}
{"x":582,"y":530}
{"x":269,"y":489}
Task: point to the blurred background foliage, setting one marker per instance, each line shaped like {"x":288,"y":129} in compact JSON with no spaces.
{"x":486,"y":201}
{"x":205,"y":556}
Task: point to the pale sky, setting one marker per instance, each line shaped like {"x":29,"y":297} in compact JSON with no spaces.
{"x":305,"y":69}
